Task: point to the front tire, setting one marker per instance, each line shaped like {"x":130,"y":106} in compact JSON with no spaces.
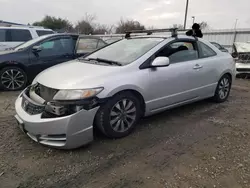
{"x":223,"y":89}
{"x":12,"y":79}
{"x":118,"y":117}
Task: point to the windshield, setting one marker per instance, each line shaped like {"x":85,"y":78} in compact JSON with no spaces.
{"x":126,"y":51}
{"x":30,"y":42}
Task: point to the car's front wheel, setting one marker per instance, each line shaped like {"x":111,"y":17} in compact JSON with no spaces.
{"x":223,"y":89}
{"x":118,"y":117}
{"x":12,"y":79}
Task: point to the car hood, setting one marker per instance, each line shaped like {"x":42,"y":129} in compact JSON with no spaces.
{"x":242,"y":47}
{"x":76,"y":75}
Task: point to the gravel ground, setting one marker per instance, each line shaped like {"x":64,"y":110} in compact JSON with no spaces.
{"x":199,"y":145}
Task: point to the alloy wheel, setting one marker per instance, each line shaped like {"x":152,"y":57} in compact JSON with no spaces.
{"x":224,"y":88}
{"x":12,"y":79}
{"x":123,"y":115}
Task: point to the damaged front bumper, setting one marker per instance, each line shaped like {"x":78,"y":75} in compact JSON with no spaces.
{"x":242,"y":68}
{"x":65,"y":132}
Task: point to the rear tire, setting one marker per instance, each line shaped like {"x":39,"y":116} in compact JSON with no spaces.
{"x":223,"y":89}
{"x":118,"y":117}
{"x":12,"y":79}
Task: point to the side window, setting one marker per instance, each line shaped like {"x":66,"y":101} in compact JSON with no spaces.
{"x":47,"y":45}
{"x":101,"y":44}
{"x":179,"y":52}
{"x":43,"y":32}
{"x":3,"y":36}
{"x":217,"y":45}
{"x":20,"y":35}
{"x":86,"y":45}
{"x":205,"y":51}
{"x":58,"y":46}
{"x":68,"y":45}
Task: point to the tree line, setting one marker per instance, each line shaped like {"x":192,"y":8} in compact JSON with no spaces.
{"x":88,"y":25}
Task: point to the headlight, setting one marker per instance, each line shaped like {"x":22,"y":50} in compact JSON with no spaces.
{"x":76,"y":94}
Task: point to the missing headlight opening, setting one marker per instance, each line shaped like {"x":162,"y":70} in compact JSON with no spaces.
{"x":43,"y":96}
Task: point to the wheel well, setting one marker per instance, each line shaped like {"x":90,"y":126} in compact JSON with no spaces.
{"x":230,"y":75}
{"x":137,"y":95}
{"x":14,"y":65}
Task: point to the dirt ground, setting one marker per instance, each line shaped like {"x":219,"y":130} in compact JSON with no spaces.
{"x":200,"y":145}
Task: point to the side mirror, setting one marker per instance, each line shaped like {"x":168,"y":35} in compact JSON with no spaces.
{"x":37,"y":48}
{"x":160,"y":62}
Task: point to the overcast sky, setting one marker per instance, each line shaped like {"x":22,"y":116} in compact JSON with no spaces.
{"x":157,"y":13}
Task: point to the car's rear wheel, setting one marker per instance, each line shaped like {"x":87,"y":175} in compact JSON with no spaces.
{"x":118,"y":117}
{"x":223,"y":89}
{"x":12,"y":79}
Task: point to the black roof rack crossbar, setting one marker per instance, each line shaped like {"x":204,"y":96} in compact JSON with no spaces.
{"x":149,"y":32}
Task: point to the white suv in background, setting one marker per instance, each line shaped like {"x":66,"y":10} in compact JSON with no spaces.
{"x":11,"y":37}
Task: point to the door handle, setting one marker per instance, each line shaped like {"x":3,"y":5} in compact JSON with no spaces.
{"x":197,"y":67}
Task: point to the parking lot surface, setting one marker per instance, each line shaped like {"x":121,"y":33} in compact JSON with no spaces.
{"x":198,"y":145}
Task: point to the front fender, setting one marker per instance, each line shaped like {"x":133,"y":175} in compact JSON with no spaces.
{"x":111,"y":92}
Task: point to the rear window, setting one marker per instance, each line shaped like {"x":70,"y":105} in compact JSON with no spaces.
{"x":2,"y":35}
{"x":19,"y":35}
{"x":43,"y":32}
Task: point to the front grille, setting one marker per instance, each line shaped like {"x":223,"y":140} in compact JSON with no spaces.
{"x":31,"y":107}
{"x":244,"y":58}
{"x":243,"y":69}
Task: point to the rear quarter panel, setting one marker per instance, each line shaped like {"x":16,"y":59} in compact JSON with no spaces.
{"x":226,"y":63}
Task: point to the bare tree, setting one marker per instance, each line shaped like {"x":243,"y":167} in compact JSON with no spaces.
{"x":86,"y":25}
{"x":150,"y":27}
{"x":128,"y":25}
{"x":179,"y":26}
{"x":102,"y":29}
{"x":204,"y":25}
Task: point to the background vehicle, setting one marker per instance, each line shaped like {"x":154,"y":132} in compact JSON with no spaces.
{"x":221,"y":48}
{"x":20,"y":65}
{"x":241,"y":53}
{"x":13,"y":36}
{"x":113,"y":87}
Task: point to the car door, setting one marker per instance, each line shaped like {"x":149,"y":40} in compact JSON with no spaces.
{"x":51,"y":52}
{"x":208,"y":73}
{"x":177,"y":83}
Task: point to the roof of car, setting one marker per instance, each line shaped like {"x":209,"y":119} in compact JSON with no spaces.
{"x":89,"y":36}
{"x":28,"y":27}
{"x":62,"y":34}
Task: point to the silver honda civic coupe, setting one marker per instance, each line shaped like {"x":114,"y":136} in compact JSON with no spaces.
{"x":112,"y":88}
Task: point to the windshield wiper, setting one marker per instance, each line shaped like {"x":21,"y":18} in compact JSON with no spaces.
{"x":105,"y":61}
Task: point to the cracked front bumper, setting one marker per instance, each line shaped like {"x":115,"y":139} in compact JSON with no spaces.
{"x":242,"y":68}
{"x":67,"y":132}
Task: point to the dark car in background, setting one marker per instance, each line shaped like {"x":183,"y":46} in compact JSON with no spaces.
{"x":19,"y":66}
